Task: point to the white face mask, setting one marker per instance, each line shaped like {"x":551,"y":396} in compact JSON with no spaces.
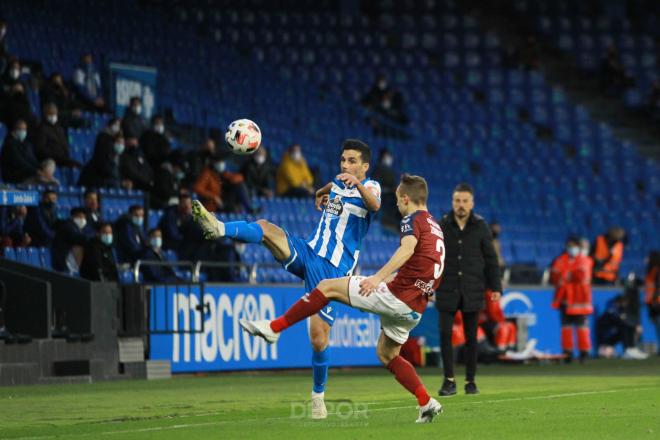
{"x":138,"y":109}
{"x":160,"y":129}
{"x":119,"y":148}
{"x":52,"y":119}
{"x":81,"y":222}
{"x":387,"y":161}
{"x":296,"y":155}
{"x":220,"y":166}
{"x":260,"y":160}
{"x":14,"y":73}
{"x":114,"y":129}
{"x":573,"y":251}
{"x":156,"y":242}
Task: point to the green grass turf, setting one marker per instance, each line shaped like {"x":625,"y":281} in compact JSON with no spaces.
{"x":603,"y":399}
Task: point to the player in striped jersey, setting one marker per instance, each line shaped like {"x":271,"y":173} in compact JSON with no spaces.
{"x":348,"y":204}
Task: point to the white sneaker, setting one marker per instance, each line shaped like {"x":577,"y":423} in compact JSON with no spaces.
{"x":428,"y":411}
{"x":318,"y":406}
{"x":634,"y":353}
{"x":261,"y":329}
{"x":212,"y":227}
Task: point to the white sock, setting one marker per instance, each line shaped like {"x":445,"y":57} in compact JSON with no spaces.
{"x":321,"y":395}
{"x":221,"y":228}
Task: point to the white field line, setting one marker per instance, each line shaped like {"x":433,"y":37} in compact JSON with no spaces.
{"x":392,"y":408}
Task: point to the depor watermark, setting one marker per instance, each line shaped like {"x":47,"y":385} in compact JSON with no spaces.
{"x":341,"y":413}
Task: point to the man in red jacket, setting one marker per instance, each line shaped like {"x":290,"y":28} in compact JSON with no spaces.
{"x":571,"y":276}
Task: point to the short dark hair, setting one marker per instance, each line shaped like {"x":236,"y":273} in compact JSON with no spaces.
{"x":359,"y":146}
{"x":464,"y":187}
{"x":102,"y":225}
{"x":134,"y":208}
{"x":152,"y":231}
{"x":415,"y":188}
{"x":573,"y":239}
{"x":89,"y":191}
{"x":77,"y":210}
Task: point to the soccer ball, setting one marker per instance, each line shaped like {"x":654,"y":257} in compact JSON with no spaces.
{"x":243,"y":136}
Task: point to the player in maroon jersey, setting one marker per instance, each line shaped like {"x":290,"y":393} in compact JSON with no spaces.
{"x":399,"y":302}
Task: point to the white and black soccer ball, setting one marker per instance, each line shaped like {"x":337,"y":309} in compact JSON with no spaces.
{"x":243,"y":136}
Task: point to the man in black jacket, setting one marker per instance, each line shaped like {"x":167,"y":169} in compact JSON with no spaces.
{"x":471,"y":267}
{"x":99,"y":263}
{"x":18,"y":159}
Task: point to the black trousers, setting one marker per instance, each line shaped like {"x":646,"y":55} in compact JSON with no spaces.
{"x":470,"y":322}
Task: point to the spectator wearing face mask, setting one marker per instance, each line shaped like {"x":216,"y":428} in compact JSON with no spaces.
{"x":13,"y":226}
{"x":18,"y":160}
{"x":11,"y":75}
{"x":88,"y":83}
{"x":102,"y":170}
{"x":179,"y":231}
{"x":259,"y":174}
{"x":155,"y":144}
{"x":154,"y":252}
{"x":132,"y":123}
{"x":294,"y":178}
{"x":69,"y":242}
{"x":130,"y":235}
{"x":198,"y":159}
{"x":134,"y":167}
{"x":16,"y":106}
{"x":41,"y":221}
{"x":221,"y":189}
{"x":45,"y":174}
{"x":56,"y":91}
{"x":607,"y":254}
{"x":571,"y":275}
{"x":99,"y":263}
{"x":51,"y":141}
{"x":167,"y":181}
{"x":374,"y":96}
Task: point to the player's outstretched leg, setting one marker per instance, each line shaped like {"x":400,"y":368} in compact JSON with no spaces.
{"x":404,"y":372}
{"x":319,"y":335}
{"x":214,"y":228}
{"x":310,"y":304}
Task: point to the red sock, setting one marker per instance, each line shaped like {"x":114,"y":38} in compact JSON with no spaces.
{"x":584,"y":338}
{"x":303,"y":308}
{"x":567,"y":338}
{"x":405,"y":374}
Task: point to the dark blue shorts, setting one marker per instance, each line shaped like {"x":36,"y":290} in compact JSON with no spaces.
{"x":312,"y":269}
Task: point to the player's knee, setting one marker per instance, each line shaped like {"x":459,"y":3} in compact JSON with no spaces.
{"x":319,"y":340}
{"x":385,"y":356}
{"x":265,"y":224}
{"x":325,"y":287}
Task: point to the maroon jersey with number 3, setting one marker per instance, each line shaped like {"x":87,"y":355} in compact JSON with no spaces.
{"x":420,"y":276}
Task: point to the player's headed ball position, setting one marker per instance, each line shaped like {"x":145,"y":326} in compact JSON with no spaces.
{"x":243,"y":136}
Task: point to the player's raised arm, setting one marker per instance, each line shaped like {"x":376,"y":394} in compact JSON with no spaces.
{"x":321,"y":197}
{"x":402,"y":254}
{"x":370,"y":195}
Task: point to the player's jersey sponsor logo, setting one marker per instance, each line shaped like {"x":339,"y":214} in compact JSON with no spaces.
{"x":335,"y":206}
{"x":425,"y":287}
{"x":406,"y":228}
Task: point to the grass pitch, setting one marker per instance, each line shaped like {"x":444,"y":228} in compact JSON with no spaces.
{"x":603,"y":399}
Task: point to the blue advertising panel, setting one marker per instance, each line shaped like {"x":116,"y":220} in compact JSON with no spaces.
{"x":196,"y":328}
{"x":126,"y":81}
{"x":533,"y":305}
{"x":19,"y":198}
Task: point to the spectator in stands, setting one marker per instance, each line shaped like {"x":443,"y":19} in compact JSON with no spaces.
{"x":135,"y":168}
{"x":69,"y":242}
{"x":375,"y":94}
{"x":155,"y":144}
{"x":221,"y":189}
{"x":132,"y":124}
{"x":607,"y":254}
{"x":654,"y":101}
{"x":16,"y":106}
{"x":167,"y":181}
{"x":198,"y":159}
{"x":45,"y":174}
{"x":392,"y":107}
{"x":294,"y":178}
{"x":259,"y":174}
{"x":177,"y":225}
{"x":571,"y":276}
{"x":57,"y":92}
{"x":4,"y":50}
{"x":154,"y":252}
{"x":92,"y":208}
{"x":13,"y":233}
{"x":102,"y":170}
{"x":88,"y":83}
{"x":614,"y":78}
{"x":496,"y":230}
{"x":11,"y":75}
{"x":99,"y":263}
{"x":385,"y":175}
{"x":652,"y":293}
{"x":130,"y":235}
{"x":18,"y":159}
{"x":50,"y":139}
{"x":41,"y":221}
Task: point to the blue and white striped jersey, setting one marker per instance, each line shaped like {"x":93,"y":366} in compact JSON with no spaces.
{"x":343,"y":225}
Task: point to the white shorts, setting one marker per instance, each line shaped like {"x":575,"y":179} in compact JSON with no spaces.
{"x":396,"y":318}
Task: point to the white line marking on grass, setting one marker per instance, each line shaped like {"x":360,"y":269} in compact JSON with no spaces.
{"x":392,"y":408}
